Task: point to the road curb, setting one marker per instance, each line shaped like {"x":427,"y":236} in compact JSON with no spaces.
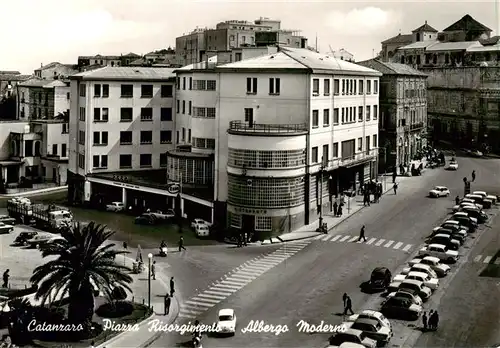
{"x":156,"y":335}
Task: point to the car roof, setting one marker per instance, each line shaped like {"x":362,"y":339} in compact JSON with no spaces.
{"x":412,"y":281}
{"x":418,"y":273}
{"x":421,"y":265}
{"x":438,"y":245}
{"x":452,"y":222}
{"x":380,"y":270}
{"x":353,"y":332}
{"x":408,"y":291}
{"x":371,"y":312}
{"x":442,"y":235}
{"x":367,"y":321}
{"x":432,"y":258}
{"x":226,"y":311}
{"x":479,"y":192}
{"x":440,"y":187}
{"x":460,"y":213}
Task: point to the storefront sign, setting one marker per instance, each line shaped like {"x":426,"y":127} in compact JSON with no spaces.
{"x":120,"y":184}
{"x":250,"y":211}
{"x":173,"y":188}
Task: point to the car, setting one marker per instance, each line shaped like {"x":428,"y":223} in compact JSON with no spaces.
{"x":380,"y":279}
{"x":146,"y":219}
{"x":5,"y":229}
{"x":371,"y":314}
{"x":202,"y":231}
{"x":465,"y":221}
{"x":353,"y":336}
{"x":115,"y":207}
{"x":478,"y":199}
{"x":348,"y":345}
{"x":455,"y":225}
{"x":463,"y":214}
{"x":430,"y":282}
{"x":423,"y":291}
{"x":226,"y":322}
{"x":372,"y":329}
{"x":480,"y":215}
{"x":160,"y":216}
{"x":42,"y":238}
{"x":408,"y":294}
{"x":23,"y":237}
{"x":441,"y":269}
{"x":475,"y":153}
{"x":6,"y":219}
{"x":200,"y":222}
{"x":401,"y":308}
{"x":439,"y":191}
{"x":419,"y":267}
{"x":463,"y":205}
{"x":458,"y":236}
{"x":440,"y":251}
{"x":452,"y":166}
{"x":492,"y":198}
{"x":473,"y":202}
{"x":445,"y":239}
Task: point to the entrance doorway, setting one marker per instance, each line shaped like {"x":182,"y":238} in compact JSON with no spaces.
{"x":248,"y":223}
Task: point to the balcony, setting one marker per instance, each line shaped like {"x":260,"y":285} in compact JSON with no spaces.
{"x":359,"y":158}
{"x":238,"y":127}
{"x":416,"y":126}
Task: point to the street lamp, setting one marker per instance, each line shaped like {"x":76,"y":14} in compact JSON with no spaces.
{"x":321,"y":170}
{"x":150,"y":257}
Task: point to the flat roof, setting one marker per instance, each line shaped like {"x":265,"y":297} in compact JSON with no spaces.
{"x":126,"y":73}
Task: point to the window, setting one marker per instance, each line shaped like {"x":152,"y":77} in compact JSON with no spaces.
{"x":190,"y":107}
{"x":343,"y":86}
{"x":146,"y":91}
{"x":125,"y":137}
{"x":145,"y":160}
{"x":375,"y":87}
{"x":315,"y":119}
{"x":274,"y":86}
{"x":184,"y":83}
{"x":249,"y":116}
{"x":64,"y":150}
{"x":360,"y":113}
{"x":81,"y":161}
{"x":97,"y":114}
{"x":361,"y":91}
{"x":315,"y":90}
{"x":190,"y":83}
{"x":125,"y":161}
{"x":210,"y":112}
{"x":368,"y":109}
{"x":325,"y":154}
{"x":54,"y":149}
{"x":263,"y":223}
{"x":351,"y":85}
{"x":344,"y":120}
{"x":368,"y":145}
{"x":99,"y":162}
{"x":184,"y":107}
{"x":127,"y":91}
{"x":336,"y":116}
{"x":183,"y":134}
{"x":211,"y":85}
{"x":101,"y":138}
{"x":375,"y":140}
{"x":178,"y":106}
{"x":82,"y":113}
{"x":336,"y":87}
{"x":177,"y":137}
{"x":335,"y":150}
{"x":83,"y":91}
{"x":326,"y":86}
{"x":368,"y":87}
{"x":200,"y":85}
{"x":97,"y":90}
{"x":105,"y":91}
{"x":355,"y":87}
{"x":375,"y":112}
{"x":126,"y":114}
{"x":178,"y":83}
{"x":360,"y":144}
{"x":251,"y":85}
{"x":163,"y":159}
{"x":165,"y":137}
{"x":314,"y":155}
{"x":166,"y":91}
{"x":146,"y":114}
{"x":326,"y":117}
{"x":146,"y":137}
{"x":81,"y":137}
{"x":189,"y":135}
{"x":166,"y":114}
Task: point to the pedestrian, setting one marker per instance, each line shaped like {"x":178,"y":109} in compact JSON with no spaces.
{"x":153,"y":270}
{"x":431,"y":319}
{"x":457,"y":200}
{"x":167,"y":304}
{"x":335,"y":208}
{"x":366,"y":199}
{"x":395,"y":188}
{"x":245,"y":239}
{"x":435,"y":321}
{"x":424,"y":321}
{"x":240,"y":242}
{"x":6,"y":277}
{"x":339,"y":211}
{"x":473,"y":175}
{"x":344,"y":299}
{"x":348,"y":306}
{"x":172,"y":289}
{"x":362,"y":234}
{"x":181,"y":244}
{"x":394,"y":174}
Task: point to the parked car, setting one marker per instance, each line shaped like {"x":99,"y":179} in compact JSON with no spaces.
{"x":492,"y":198}
{"x":161,"y":216}
{"x":430,"y":282}
{"x":465,"y":215}
{"x":401,"y":308}
{"x":452,"y":166}
{"x":115,"y":207}
{"x":450,"y":233}
{"x":226,"y":322}
{"x":41,"y":239}
{"x":353,"y":336}
{"x":462,"y":205}
{"x":420,"y":267}
{"x":372,"y":329}
{"x":465,"y":221}
{"x":202,"y":231}
{"x":371,"y":314}
{"x":480,"y":215}
{"x":6,"y":219}
{"x":5,"y":229}
{"x":23,"y":238}
{"x":445,"y":239}
{"x":475,"y":153}
{"x":486,"y":203}
{"x":440,"y":251}
{"x":200,"y":222}
{"x":441,"y":269}
{"x":380,"y":279}
{"x":408,"y":294}
{"x":452,"y":224}
{"x":146,"y":219}
{"x":423,"y":291}
{"x":439,"y":191}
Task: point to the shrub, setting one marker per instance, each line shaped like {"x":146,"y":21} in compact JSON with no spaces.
{"x":116,"y":309}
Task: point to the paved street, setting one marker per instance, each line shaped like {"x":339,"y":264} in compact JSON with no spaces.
{"x":309,"y":285}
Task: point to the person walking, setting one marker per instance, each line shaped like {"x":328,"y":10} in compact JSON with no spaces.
{"x":6,"y":277}
{"x":153,"y":270}
{"x":424,"y":320}
{"x":457,"y":200}
{"x":339,"y":210}
{"x":181,"y":244}
{"x":167,"y":304}
{"x":344,"y":299}
{"x":395,"y":188}
{"x":362,"y":234}
{"x":435,"y":320}
{"x":431,"y":319}
{"x":348,"y":306}
{"x":245,"y":238}
{"x":172,"y":288}
{"x":473,"y":175}
{"x":335,"y":208}
{"x":394,"y":174}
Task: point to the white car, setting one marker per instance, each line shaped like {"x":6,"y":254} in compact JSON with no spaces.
{"x":412,"y":284}
{"x":202,"y":230}
{"x":407,"y":294}
{"x":492,"y":198}
{"x":196,"y":222}
{"x":371,"y":314}
{"x":445,"y":239}
{"x":226,"y":323}
{"x":115,"y":207}
{"x":463,"y":205}
{"x":163,"y":216}
{"x":351,"y":336}
{"x":372,"y":329}
{"x":453,"y":165}
{"x":439,"y":191}
{"x":440,"y":251}
{"x":419,"y":267}
{"x":460,"y":232}
{"x":430,"y":282}
{"x":5,"y":229}
{"x":441,"y":269}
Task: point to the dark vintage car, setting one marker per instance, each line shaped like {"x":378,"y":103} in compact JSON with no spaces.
{"x":465,"y":221}
{"x":380,"y":279}
{"x":23,"y":238}
{"x":6,"y":219}
{"x":480,"y":215}
{"x":401,"y":308}
{"x":146,"y":219}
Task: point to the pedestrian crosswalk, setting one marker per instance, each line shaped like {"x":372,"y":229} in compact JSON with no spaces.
{"x":237,"y":279}
{"x":379,"y":242}
{"x":487,"y":259}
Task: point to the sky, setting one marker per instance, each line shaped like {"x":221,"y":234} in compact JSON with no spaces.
{"x":42,"y":31}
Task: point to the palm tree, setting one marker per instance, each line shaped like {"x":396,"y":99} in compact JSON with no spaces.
{"x":82,"y":264}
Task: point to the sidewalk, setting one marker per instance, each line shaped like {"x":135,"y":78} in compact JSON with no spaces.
{"x":159,"y":288}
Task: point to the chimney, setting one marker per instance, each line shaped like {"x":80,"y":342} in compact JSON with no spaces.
{"x":41,"y":65}
{"x":426,"y":22}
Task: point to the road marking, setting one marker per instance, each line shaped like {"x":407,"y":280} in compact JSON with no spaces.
{"x":206,"y":300}
{"x":190,"y":312}
{"x":189,"y":316}
{"x":256,"y":268}
{"x":303,"y":244}
{"x":267,"y":263}
{"x":202,"y":304}
{"x":218,"y":297}
{"x":336,"y":238}
{"x":318,"y":237}
{"x":407,"y":247}
{"x":398,"y":245}
{"x":220,"y":293}
{"x":477,"y":258}
{"x":228,"y":286}
{"x":487,"y":259}
{"x":388,"y":244}
{"x":239,"y":282}
{"x":353,"y":239}
{"x":276,"y":257}
{"x":371,"y":240}
{"x":379,"y":242}
{"x":242,"y":276}
{"x":325,"y":238}
{"x":220,"y":288}
{"x":294,"y":249}
{"x":252,"y":273}
{"x":345,"y":238}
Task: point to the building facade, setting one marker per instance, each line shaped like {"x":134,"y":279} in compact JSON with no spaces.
{"x":403,"y":113}
{"x":103,"y":60}
{"x":119,"y":136}
{"x":343,"y":54}
{"x":55,"y":70}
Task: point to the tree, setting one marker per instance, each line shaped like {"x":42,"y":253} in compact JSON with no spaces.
{"x":82,"y":264}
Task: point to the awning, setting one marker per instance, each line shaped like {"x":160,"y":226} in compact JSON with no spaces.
{"x":10,"y":163}
{"x":357,"y":163}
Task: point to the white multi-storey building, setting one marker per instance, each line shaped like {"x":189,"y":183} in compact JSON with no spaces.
{"x":121,"y":129}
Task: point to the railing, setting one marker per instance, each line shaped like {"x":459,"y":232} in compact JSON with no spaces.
{"x":267,"y":128}
{"x":417,"y":126}
{"x":359,"y":156}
